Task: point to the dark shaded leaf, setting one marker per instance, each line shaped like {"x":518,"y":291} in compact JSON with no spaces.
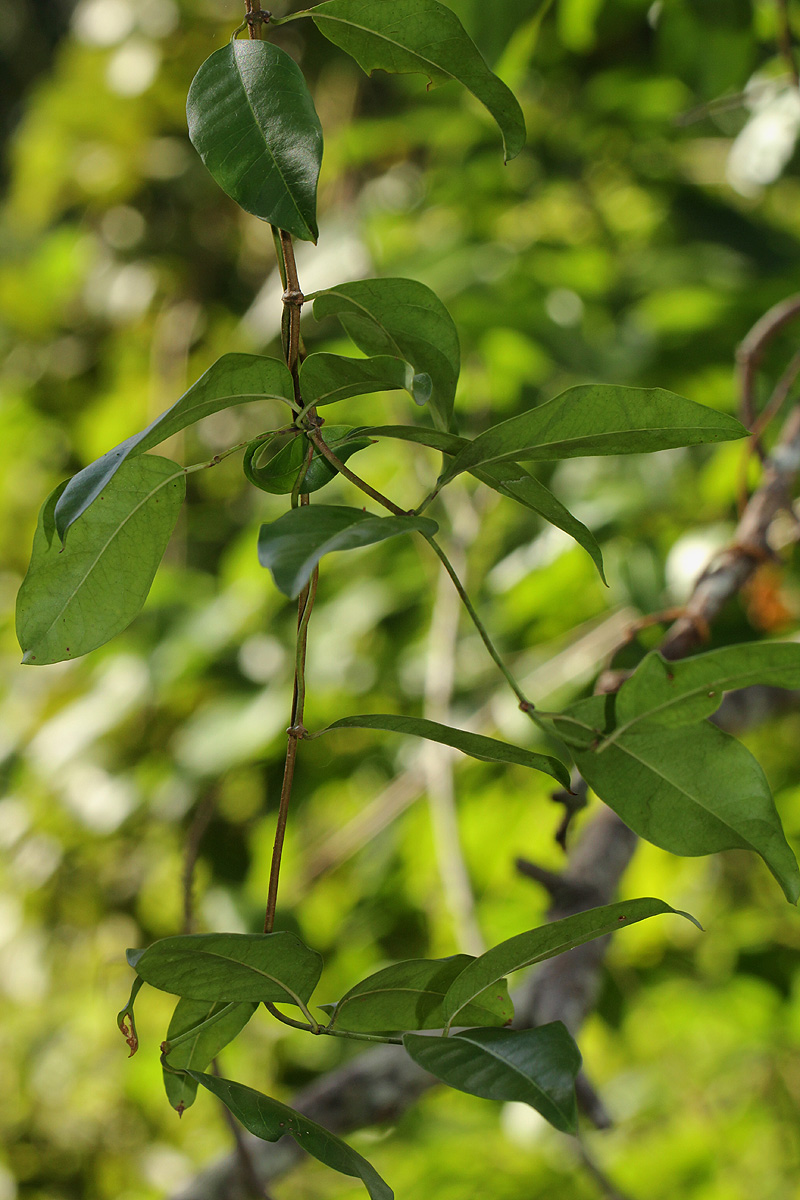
{"x":476,"y":745}
{"x":271,"y":1120}
{"x":77,"y":598}
{"x":535,"y":1066}
{"x":256,"y":967}
{"x":598,"y":419}
{"x":231,"y":380}
{"x":292,"y":546}
{"x":403,"y":319}
{"x":253,"y":123}
{"x":535,"y":945}
{"x":210,"y":1026}
{"x":409,"y":995}
{"x":420,"y":36}
{"x":279,"y":473}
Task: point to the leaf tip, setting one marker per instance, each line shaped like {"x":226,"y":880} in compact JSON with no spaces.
{"x":28,"y":658}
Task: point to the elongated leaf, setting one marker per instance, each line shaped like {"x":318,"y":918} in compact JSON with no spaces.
{"x":403,"y":319}
{"x":422,"y":36}
{"x":476,"y":745}
{"x":535,"y":945}
{"x":231,"y":380}
{"x":535,"y":1066}
{"x":270,"y":1120}
{"x":327,"y":378}
{"x":76,"y":598}
{"x":205,"y":1028}
{"x":507,"y":478}
{"x":690,"y":789}
{"x":253,"y":123}
{"x":279,"y":473}
{"x":678,"y":693}
{"x":598,"y":419}
{"x":293,"y":545}
{"x":409,"y":995}
{"x":255,"y":967}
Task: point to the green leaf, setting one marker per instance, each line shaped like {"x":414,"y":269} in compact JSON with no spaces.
{"x":76,"y":598}
{"x":476,"y":745}
{"x":270,"y":1120}
{"x":598,"y":419}
{"x":409,"y":995}
{"x":535,"y":945}
{"x":255,"y":967}
{"x":507,"y":478}
{"x":403,"y":319}
{"x":420,"y":36}
{"x":327,"y":378}
{"x":204,"y":1027}
{"x":690,"y":789}
{"x":678,"y":693}
{"x":231,"y":380}
{"x":535,"y":1066}
{"x":253,"y":123}
{"x":279,"y":473}
{"x":293,"y":545}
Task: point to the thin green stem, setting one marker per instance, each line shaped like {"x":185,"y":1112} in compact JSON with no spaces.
{"x":525,"y":704}
{"x":309,"y":1026}
{"x":361,"y":1037}
{"x":218,"y":458}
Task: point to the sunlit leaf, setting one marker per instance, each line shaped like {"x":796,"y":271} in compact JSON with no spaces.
{"x":292,"y":546}
{"x":75,"y":598}
{"x":535,"y":945}
{"x":420,"y":36}
{"x":532,"y":1066}
{"x":231,"y":380}
{"x":476,"y":745}
{"x":253,"y":123}
{"x":409,"y":995}
{"x":266,"y":967}
{"x":403,"y":319}
{"x":269,"y":1119}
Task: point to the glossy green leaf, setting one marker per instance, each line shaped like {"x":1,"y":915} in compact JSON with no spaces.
{"x":269,"y":1119}
{"x":327,"y":378}
{"x":256,"y":967}
{"x":231,"y":380}
{"x":422,"y":36}
{"x":476,"y":745}
{"x":678,"y":693}
{"x":279,"y":473}
{"x":690,"y":789}
{"x":507,"y":478}
{"x":403,"y":319}
{"x":292,"y":546}
{"x":535,"y":945}
{"x":598,"y":419}
{"x":409,"y":995}
{"x":204,"y":1028}
{"x":534,"y":1066}
{"x":253,"y":123}
{"x":75,"y":598}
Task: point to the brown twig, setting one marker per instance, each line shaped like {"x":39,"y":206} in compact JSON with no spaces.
{"x":751,"y":351}
{"x":785,"y":40}
{"x":200,"y":822}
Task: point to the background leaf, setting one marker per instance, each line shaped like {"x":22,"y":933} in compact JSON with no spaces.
{"x":599,"y":419}
{"x":253,"y":123}
{"x":75,"y":598}
{"x":423,"y":36}
{"x":292,"y":546}
{"x":404,"y":319}
{"x":475,"y":744}
{"x":267,"y":967}
{"x":535,"y":945}
{"x":271,"y":1120}
{"x":534,"y":1066}
{"x":409,"y":995}
{"x":231,"y":380}
{"x":197,"y":1052}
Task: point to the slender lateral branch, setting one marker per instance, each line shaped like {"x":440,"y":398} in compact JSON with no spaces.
{"x":751,"y":351}
{"x":785,"y":41}
{"x":361,"y":484}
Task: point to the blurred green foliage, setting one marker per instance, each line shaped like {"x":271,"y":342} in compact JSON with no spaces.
{"x":628,"y":243}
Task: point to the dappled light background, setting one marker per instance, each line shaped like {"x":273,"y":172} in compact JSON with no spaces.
{"x":654,"y":215}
